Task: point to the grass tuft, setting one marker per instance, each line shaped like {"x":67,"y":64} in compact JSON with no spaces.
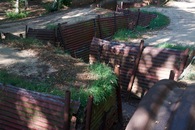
{"x":13,"y":15}
{"x":173,"y":46}
{"x":100,"y":89}
{"x":157,"y":23}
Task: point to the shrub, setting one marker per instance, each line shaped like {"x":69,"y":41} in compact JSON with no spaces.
{"x":13,"y":15}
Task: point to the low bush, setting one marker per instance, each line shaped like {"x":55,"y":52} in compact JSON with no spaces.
{"x":13,"y":15}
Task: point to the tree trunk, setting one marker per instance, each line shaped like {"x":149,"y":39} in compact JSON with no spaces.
{"x":26,"y":4}
{"x":17,"y":10}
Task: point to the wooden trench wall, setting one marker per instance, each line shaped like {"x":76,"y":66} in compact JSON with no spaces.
{"x":140,"y":67}
{"x":76,"y":38}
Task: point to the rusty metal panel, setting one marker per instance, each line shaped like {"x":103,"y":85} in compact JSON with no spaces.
{"x":77,"y":38}
{"x":24,"y":109}
{"x":42,"y":34}
{"x":155,"y":64}
{"x":114,"y":53}
{"x":146,"y":18}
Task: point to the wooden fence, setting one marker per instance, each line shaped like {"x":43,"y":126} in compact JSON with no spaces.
{"x":140,"y":67}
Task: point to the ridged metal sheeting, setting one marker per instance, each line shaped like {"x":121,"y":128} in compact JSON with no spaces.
{"x":76,"y":38}
{"x":113,"y":53}
{"x":24,"y":109}
{"x":42,"y":34}
{"x":167,"y":105}
{"x":154,"y":63}
{"x":105,"y":114}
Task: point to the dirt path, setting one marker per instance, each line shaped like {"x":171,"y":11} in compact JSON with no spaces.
{"x":71,"y":16}
{"x":182,"y":27}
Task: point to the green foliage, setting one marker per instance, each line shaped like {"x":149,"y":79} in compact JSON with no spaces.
{"x":51,"y":26}
{"x":177,"y":47}
{"x":66,"y":2}
{"x":101,"y":88}
{"x":48,"y":7}
{"x":124,"y":34}
{"x":13,"y":15}
{"x":16,"y":80}
{"x":159,"y":22}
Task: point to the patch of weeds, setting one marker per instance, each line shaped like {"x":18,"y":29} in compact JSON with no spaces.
{"x":124,"y":34}
{"x":191,"y":76}
{"x":173,"y":46}
{"x":14,"y":15}
{"x":48,"y":7}
{"x":18,"y":81}
{"x":101,"y":88}
{"x":159,"y":22}
{"x":51,"y":26}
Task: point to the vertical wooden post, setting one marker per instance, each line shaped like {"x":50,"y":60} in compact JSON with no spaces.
{"x":95,"y":27}
{"x":118,"y":94}
{"x":89,"y":113}
{"x":158,"y":2}
{"x":172,"y":75}
{"x":26,"y":31}
{"x":138,"y":16}
{"x":67,"y":111}
{"x":99,"y":26}
{"x":115,"y":23}
{"x":62,"y":39}
{"x":135,"y":67}
{"x":184,"y":58}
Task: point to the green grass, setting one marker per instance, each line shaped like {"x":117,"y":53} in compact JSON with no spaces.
{"x":100,"y":89}
{"x":177,"y":47}
{"x":51,"y":26}
{"x":18,"y":81}
{"x":124,"y":34}
{"x":159,"y":22}
{"x":13,"y":15}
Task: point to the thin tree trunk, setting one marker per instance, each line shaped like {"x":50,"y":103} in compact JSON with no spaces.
{"x":17,"y":7}
{"x":26,"y":4}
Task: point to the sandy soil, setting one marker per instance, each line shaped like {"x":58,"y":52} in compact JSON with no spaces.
{"x":70,"y":16}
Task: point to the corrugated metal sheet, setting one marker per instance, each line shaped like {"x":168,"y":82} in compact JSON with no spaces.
{"x":113,"y":53}
{"x":138,"y":75}
{"x":42,"y":34}
{"x":155,"y":64}
{"x":23,"y":109}
{"x":103,"y":112}
{"x":77,"y":37}
{"x":168,"y":105}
